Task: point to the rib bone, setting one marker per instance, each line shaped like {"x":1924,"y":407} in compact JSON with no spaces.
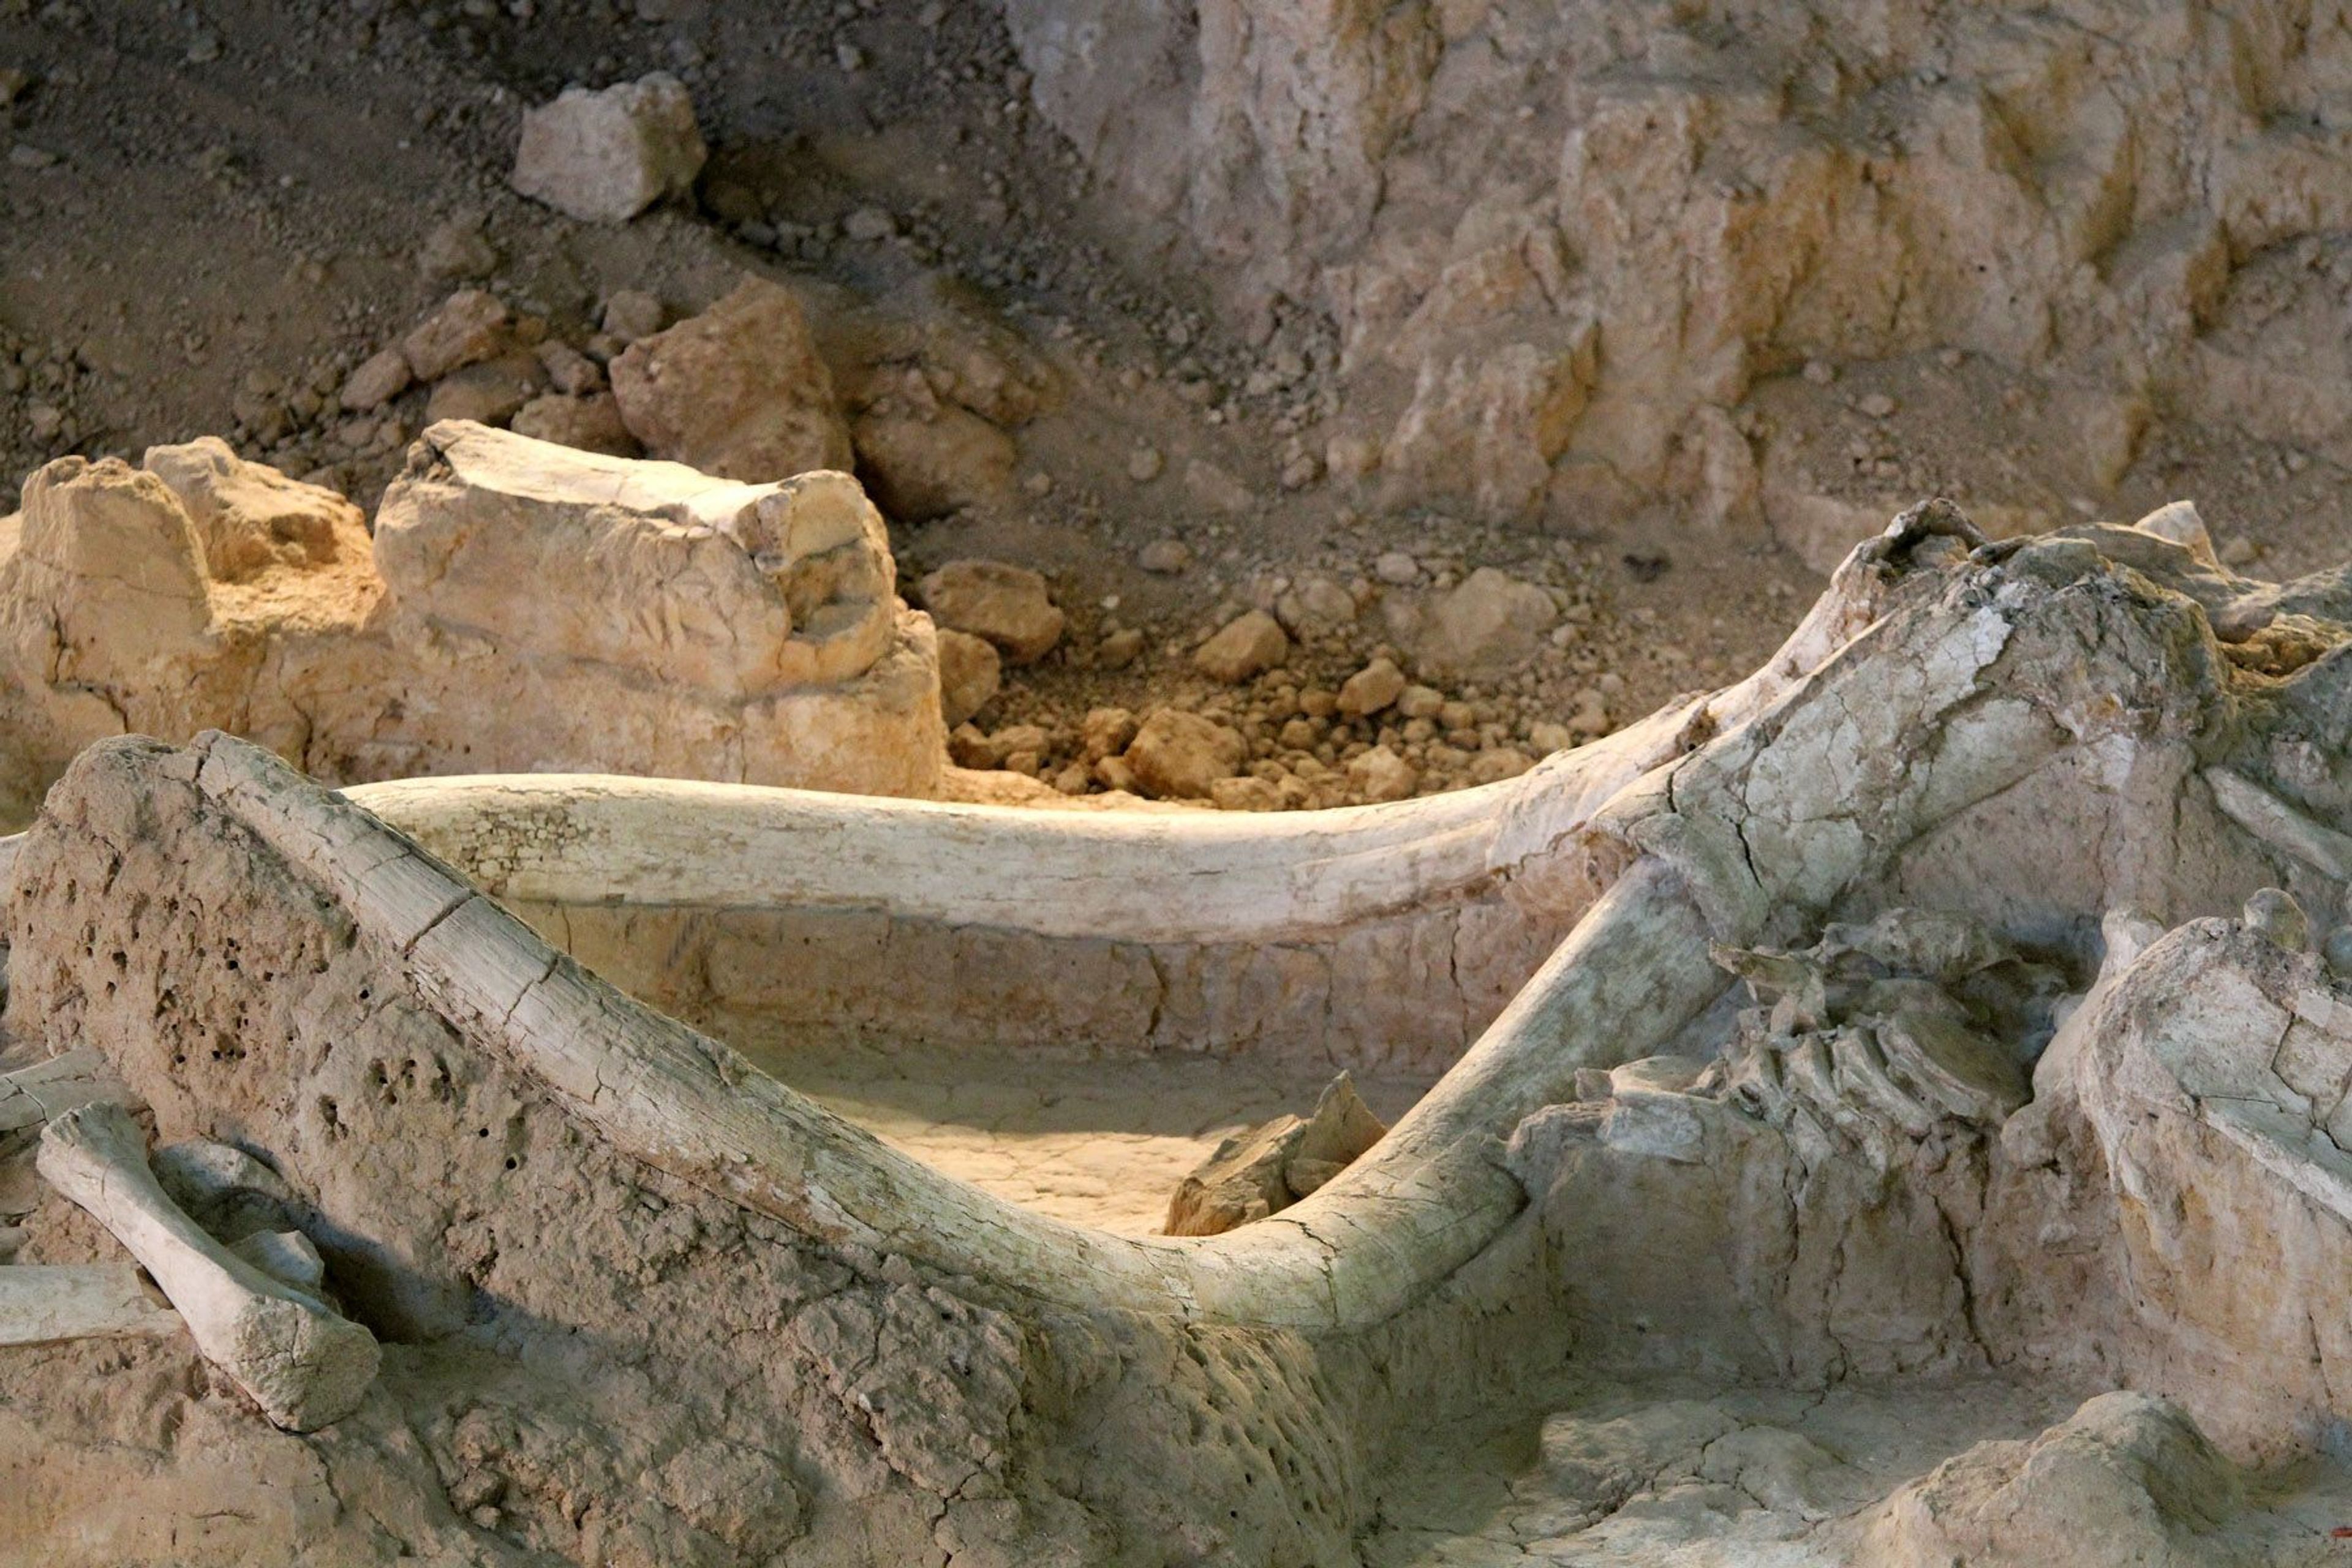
{"x":304,"y":1365}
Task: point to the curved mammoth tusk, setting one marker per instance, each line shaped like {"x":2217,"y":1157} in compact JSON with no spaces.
{"x":1369,"y":1243}
{"x":1176,"y":877}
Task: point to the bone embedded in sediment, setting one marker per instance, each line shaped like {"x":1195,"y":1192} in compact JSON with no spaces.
{"x":304,"y":1365}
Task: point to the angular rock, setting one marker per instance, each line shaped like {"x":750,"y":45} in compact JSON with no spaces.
{"x":470,"y":325}
{"x":250,"y":516}
{"x":759,"y":587}
{"x":1105,"y":733}
{"x":1486,"y":626}
{"x":1380,"y":775}
{"x":1249,"y":646}
{"x":381,"y":377}
{"x":490,"y":392}
{"x":1180,"y":755}
{"x":970,"y":672}
{"x":592,"y":423}
{"x":1269,"y":1167}
{"x":1375,"y":687}
{"x":739,"y":391}
{"x":924,"y":464}
{"x":605,"y":156}
{"x":1009,"y":605}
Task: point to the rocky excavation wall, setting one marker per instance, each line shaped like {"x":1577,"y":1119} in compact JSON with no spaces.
{"x":1551,"y":251}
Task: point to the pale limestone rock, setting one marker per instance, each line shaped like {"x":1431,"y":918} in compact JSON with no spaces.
{"x":1380,"y":775}
{"x":478,"y":512}
{"x":2127,"y":1478}
{"x":1180,"y":755}
{"x":739,"y":391}
{"x":488,"y":393}
{"x":249,"y":516}
{"x":605,"y":156}
{"x":970,"y":672}
{"x":1009,"y":605}
{"x":1244,"y":648}
{"x":1267,"y":1168}
{"x":1486,"y":625}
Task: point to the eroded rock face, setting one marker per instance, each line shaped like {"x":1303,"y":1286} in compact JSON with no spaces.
{"x":1547,"y":249}
{"x":522,"y":606}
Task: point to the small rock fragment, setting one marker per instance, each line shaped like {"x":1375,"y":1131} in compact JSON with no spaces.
{"x":1181,"y":756}
{"x":605,"y":156}
{"x":1380,"y":775}
{"x":970,"y":673}
{"x":631,"y":314}
{"x":381,"y":377}
{"x":1007,"y":605}
{"x":1371,"y":688}
{"x":490,"y":392}
{"x":470,"y":327}
{"x":1246,"y":646}
{"x":1105,"y":733}
{"x":1165,"y":557}
{"x":590,"y":423}
{"x":1267,"y":1168}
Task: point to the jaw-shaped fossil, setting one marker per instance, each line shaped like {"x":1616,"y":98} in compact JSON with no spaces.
{"x":511,"y":1165}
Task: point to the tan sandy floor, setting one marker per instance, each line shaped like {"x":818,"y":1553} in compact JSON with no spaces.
{"x":1100,"y":1142}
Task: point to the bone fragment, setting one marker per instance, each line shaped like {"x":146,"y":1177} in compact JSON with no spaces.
{"x":304,"y":1365}
{"x":42,"y":1303}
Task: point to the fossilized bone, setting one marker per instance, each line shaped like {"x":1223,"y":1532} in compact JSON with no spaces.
{"x":2032,"y":739}
{"x":1809,"y":795}
{"x":305,"y":1366}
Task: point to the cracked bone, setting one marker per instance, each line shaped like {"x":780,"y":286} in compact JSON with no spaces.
{"x":1797,"y":798}
{"x":305,"y":1366}
{"x":1956,"y":751}
{"x":42,"y":1303}
{"x":33,"y":1095}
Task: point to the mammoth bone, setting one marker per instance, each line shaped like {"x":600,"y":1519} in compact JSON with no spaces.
{"x":503,"y":1150}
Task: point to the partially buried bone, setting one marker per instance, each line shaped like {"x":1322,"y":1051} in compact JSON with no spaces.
{"x":304,"y":1365}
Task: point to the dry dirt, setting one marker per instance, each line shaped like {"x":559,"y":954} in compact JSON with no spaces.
{"x":213,"y":213}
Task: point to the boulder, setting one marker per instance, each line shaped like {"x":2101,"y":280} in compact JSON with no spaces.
{"x":249,"y":516}
{"x":591,"y":424}
{"x":970,"y":673}
{"x":1007,"y":605}
{"x":733,"y":589}
{"x":2127,"y":1478}
{"x":1181,"y":756}
{"x":605,"y":156}
{"x":738,"y":391}
{"x":1244,"y":647}
{"x":927,"y":463}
